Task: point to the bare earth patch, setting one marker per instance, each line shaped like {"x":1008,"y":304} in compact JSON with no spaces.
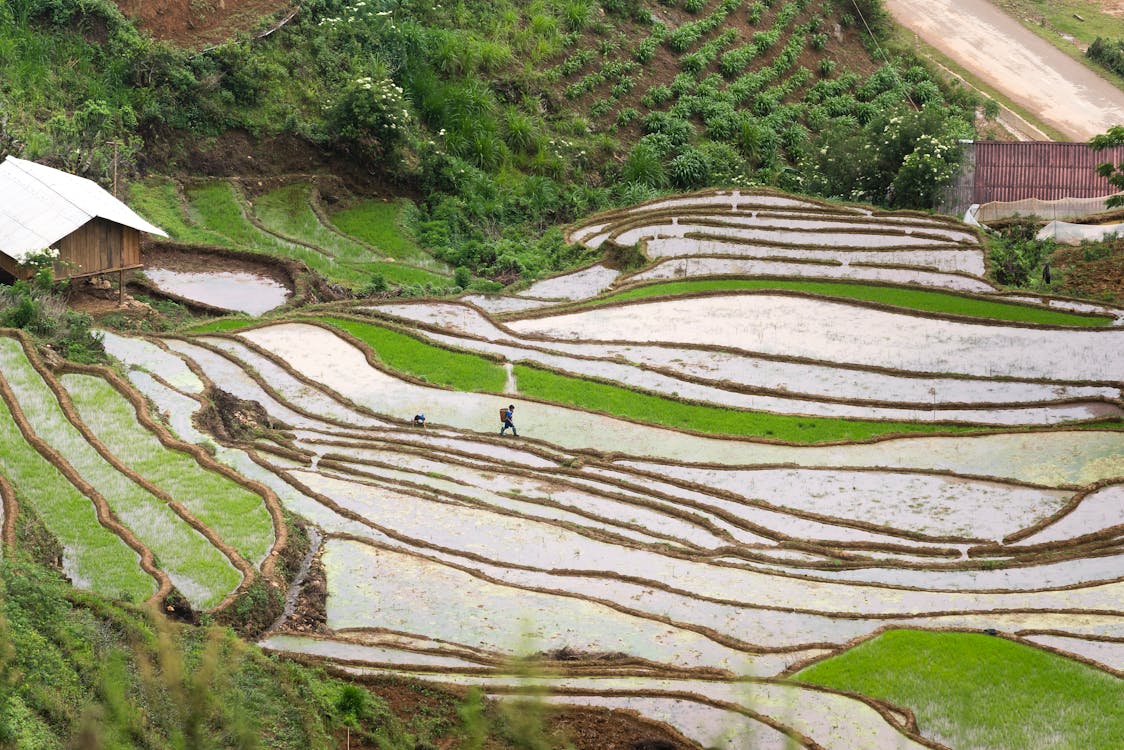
{"x":190,"y":23}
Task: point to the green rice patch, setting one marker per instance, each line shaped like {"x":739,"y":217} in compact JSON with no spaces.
{"x":222,"y":324}
{"x":400,"y":274}
{"x":379,"y":223}
{"x":216,"y":207}
{"x":470,"y":372}
{"x":201,"y":572}
{"x":158,"y":200}
{"x":288,"y":212}
{"x":980,"y":691}
{"x":433,"y":364}
{"x":712,"y":420}
{"x":905,"y":297}
{"x":96,"y":558}
{"x":235,"y":513}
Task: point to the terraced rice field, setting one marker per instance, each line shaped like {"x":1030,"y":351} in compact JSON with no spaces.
{"x":126,"y":500}
{"x":289,"y":222}
{"x":687,"y":571}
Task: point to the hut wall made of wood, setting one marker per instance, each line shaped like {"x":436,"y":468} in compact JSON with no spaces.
{"x":98,"y":246}
{"x":9,"y":267}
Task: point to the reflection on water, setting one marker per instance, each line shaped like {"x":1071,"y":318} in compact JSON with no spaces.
{"x":230,"y":290}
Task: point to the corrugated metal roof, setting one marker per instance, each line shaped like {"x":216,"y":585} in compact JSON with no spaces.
{"x":40,"y":205}
{"x":1040,"y":169}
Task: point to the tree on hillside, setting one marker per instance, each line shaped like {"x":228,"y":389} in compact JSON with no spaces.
{"x":1114,"y":173}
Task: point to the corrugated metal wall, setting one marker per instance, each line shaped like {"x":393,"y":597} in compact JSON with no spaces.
{"x":1036,"y":169}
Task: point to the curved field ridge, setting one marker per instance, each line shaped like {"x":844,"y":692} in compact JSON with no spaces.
{"x":754,"y":393}
{"x":574,"y":286}
{"x":914,"y":299}
{"x":94,"y":555}
{"x":234,"y":514}
{"x":715,"y":265}
{"x":750,"y":372}
{"x":830,"y":331}
{"x":643,"y":563}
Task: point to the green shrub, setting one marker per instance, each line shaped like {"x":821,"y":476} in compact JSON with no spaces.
{"x":644,"y":166}
{"x":36,"y":308}
{"x":371,"y":113}
{"x":576,"y":14}
{"x":1109,"y":53}
{"x":1017,"y":257}
{"x":690,"y":170}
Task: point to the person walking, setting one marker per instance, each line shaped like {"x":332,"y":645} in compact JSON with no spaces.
{"x":507,"y":417}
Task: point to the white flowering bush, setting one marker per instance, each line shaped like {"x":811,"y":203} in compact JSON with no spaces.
{"x":37,"y":257}
{"x":372,"y":113}
{"x":903,"y":158}
{"x":926,"y":170}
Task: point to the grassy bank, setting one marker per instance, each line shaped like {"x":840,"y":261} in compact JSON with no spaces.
{"x":113,"y":676}
{"x":980,"y":691}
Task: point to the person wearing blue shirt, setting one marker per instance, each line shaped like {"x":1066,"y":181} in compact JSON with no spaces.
{"x":506,"y":420}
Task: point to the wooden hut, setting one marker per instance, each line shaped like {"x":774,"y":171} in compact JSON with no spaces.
{"x":43,"y":208}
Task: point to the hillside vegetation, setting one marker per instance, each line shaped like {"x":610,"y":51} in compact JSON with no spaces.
{"x":508,"y":121}
{"x":77,"y":671}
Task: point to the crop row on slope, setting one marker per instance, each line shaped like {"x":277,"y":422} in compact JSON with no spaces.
{"x":288,"y":212}
{"x":901,"y":297}
{"x":218,"y":208}
{"x":464,"y":326}
{"x":701,"y":266}
{"x":848,"y":333}
{"x":364,"y":496}
{"x":233,"y":512}
{"x":287,"y":226}
{"x":94,"y":555}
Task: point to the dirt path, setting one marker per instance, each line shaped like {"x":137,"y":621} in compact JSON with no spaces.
{"x":994,"y":46}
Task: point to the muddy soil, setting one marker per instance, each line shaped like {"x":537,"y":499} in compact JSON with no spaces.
{"x":310,"y":613}
{"x":1096,"y":272}
{"x":192,"y":262}
{"x":198,"y":23}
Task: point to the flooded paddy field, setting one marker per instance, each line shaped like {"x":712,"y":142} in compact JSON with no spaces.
{"x":639,"y":561}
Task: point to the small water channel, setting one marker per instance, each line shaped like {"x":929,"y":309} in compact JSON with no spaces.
{"x":239,"y":291}
{"x":291,"y":596}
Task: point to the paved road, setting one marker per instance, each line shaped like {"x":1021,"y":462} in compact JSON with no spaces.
{"x":995,"y":47}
